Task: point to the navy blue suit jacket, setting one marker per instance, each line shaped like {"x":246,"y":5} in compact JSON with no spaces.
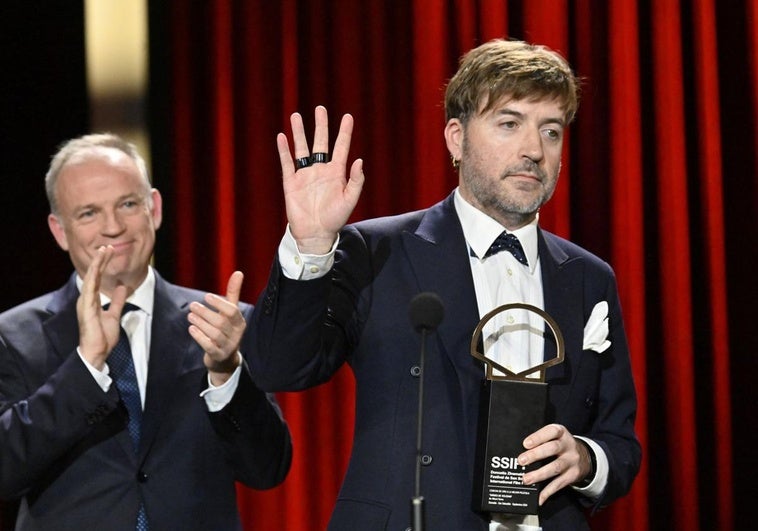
{"x":64,"y":448}
{"x":359,"y":314}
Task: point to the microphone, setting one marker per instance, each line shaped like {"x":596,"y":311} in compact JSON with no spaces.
{"x":426,"y":313}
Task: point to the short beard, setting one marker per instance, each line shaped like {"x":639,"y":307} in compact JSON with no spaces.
{"x":498,"y":205}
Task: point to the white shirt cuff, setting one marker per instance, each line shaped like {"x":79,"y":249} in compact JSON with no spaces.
{"x":217,"y":397}
{"x":297,"y":266}
{"x":595,"y":489}
{"x":102,"y":378}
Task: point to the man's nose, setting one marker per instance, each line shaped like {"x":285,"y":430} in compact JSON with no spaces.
{"x":531,"y":145}
{"x":113,"y":224}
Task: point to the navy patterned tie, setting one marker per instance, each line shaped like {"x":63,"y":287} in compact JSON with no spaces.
{"x":121,"y":364}
{"x":510,"y":243}
{"x":122,"y":371}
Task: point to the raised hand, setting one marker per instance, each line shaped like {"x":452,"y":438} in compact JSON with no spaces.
{"x":218,"y":329}
{"x":98,"y":329}
{"x":318,"y":196}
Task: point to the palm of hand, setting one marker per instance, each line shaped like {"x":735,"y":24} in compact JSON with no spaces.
{"x":316,"y":203}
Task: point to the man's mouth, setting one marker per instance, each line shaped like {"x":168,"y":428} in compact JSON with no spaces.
{"x":121,"y":247}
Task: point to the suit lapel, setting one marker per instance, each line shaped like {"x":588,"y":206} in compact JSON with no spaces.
{"x":563,"y":294}
{"x":169,"y":346}
{"x":62,"y":327}
{"x":438,"y":255}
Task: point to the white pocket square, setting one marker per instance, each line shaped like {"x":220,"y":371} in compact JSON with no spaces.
{"x":596,"y":329}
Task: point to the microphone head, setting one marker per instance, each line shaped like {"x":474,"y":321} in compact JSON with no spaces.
{"x":426,"y":311}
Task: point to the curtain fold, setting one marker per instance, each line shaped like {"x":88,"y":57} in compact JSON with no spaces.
{"x":627,"y":248}
{"x":711,"y":216}
{"x":674,"y":251}
{"x":658,"y":178}
{"x":223,"y":105}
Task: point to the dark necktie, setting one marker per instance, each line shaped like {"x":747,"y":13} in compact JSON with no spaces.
{"x":510,"y":243}
{"x":121,"y":364}
{"x":122,"y":371}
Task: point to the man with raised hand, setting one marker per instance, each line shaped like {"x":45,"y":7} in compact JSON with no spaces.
{"x":340,"y":294}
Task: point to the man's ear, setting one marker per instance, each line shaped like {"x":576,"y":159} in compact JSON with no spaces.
{"x":157,"y":210}
{"x":56,"y":227}
{"x":454,"y":138}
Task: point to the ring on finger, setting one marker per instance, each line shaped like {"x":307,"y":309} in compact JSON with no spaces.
{"x":303,"y":162}
{"x":319,"y":157}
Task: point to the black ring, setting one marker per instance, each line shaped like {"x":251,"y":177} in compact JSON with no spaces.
{"x":319,"y":158}
{"x":302,"y":162}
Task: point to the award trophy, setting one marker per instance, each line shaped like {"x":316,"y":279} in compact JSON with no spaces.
{"x":512,"y":406}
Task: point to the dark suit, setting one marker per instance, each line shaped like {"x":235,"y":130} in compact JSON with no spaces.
{"x":359,"y":314}
{"x":65,"y":448}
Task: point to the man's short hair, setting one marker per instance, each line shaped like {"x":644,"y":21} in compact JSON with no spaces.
{"x":515,"y":69}
{"x":71,"y":149}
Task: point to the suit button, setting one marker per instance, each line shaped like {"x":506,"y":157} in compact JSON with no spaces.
{"x":415,"y":371}
{"x":426,"y":459}
{"x":141,"y":477}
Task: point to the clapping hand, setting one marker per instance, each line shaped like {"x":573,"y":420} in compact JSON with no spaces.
{"x":218,"y":329}
{"x":99,"y":329}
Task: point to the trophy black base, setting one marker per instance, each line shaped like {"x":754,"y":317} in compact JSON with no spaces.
{"x":509,"y":411}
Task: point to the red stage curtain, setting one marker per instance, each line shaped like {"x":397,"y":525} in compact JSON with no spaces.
{"x":659,"y":165}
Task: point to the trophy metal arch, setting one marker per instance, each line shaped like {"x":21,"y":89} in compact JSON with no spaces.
{"x":508,"y":374}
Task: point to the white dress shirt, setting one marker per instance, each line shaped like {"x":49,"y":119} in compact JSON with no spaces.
{"x":137,"y":324}
{"x":514,"y":338}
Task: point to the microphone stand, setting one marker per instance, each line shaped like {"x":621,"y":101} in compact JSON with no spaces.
{"x":417,"y":502}
{"x":426,"y":312}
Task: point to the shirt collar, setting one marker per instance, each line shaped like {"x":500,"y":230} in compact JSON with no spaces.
{"x":143,"y":297}
{"x":480,"y":230}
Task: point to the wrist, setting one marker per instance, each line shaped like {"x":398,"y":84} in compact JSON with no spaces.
{"x":96,"y":358}
{"x":220,"y":372}
{"x":315,"y":246}
{"x":218,"y":379}
{"x":588,"y":455}
{"x":312,"y":242}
